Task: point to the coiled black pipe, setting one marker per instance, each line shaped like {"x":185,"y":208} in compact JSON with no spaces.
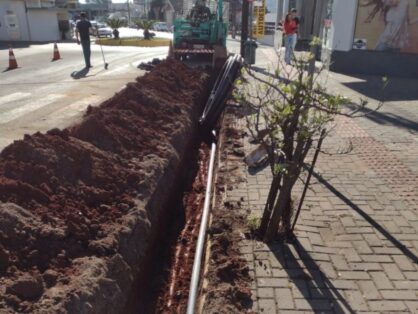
{"x":219,"y":94}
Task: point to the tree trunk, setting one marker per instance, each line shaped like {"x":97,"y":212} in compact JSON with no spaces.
{"x":280,"y":208}
{"x":287,"y":215}
{"x":271,"y":200}
{"x":282,"y":212}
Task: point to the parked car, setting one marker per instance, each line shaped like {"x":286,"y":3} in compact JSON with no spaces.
{"x":161,"y":27}
{"x":104,"y":32}
{"x":93,"y":29}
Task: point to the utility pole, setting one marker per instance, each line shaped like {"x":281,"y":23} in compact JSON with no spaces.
{"x":314,"y":48}
{"x":129,"y":13}
{"x":244,"y":25}
{"x":251,"y":13}
{"x":27,"y":22}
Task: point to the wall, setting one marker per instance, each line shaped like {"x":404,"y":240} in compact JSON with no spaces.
{"x":311,"y":15}
{"x":283,"y":7}
{"x":267,"y":40}
{"x":372,"y":33}
{"x":44,"y":25}
{"x":342,"y":29}
{"x":375,"y":63}
{"x":18,"y":8}
{"x":338,"y":49}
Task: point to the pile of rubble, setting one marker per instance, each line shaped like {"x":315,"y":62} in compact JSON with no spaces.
{"x":79,"y":208}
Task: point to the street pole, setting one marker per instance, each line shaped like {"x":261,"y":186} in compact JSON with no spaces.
{"x":308,"y":179}
{"x":244,"y":25}
{"x":314,"y":48}
{"x":27,"y":22}
{"x":251,"y":13}
{"x":129,"y":13}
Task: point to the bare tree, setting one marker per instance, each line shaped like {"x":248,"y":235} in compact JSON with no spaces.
{"x":291,"y":109}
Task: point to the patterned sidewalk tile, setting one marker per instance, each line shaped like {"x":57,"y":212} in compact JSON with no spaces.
{"x":357,"y":236}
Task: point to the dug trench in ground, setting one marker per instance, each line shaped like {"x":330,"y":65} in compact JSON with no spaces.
{"x":228,"y":288}
{"x":171,"y":274}
{"x":227,"y":280}
{"x":81,"y":208}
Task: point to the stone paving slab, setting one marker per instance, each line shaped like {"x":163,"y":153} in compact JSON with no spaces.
{"x":357,"y":237}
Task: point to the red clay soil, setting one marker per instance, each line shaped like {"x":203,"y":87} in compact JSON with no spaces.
{"x":82,"y":193}
{"x":174,"y":296}
{"x":228,"y":288}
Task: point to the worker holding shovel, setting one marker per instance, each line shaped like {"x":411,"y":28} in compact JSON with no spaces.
{"x":82,"y":34}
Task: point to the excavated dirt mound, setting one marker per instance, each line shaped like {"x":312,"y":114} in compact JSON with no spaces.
{"x":79,"y":208}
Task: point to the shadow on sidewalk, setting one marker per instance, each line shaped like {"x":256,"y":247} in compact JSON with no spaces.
{"x":311,"y":282}
{"x":5,"y":45}
{"x":76,"y":75}
{"x":265,"y":72}
{"x":389,"y":118}
{"x":369,"y":219}
{"x":397,"y":89}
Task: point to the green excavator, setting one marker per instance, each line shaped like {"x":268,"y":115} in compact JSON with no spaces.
{"x":202,"y":34}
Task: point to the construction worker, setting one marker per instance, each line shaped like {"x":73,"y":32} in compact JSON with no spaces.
{"x":200,"y":11}
{"x":233,"y":31}
{"x":82,"y":33}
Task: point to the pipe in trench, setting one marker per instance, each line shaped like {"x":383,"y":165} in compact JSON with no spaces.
{"x":183,"y":252}
{"x":194,"y":283}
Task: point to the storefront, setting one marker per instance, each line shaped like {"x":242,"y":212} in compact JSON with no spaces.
{"x":372,"y":37}
{"x":25,"y":21}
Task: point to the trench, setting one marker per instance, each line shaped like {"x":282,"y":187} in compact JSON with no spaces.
{"x":179,"y":248}
{"x":165,"y":286}
{"x":163,"y":283}
{"x":169,"y":265}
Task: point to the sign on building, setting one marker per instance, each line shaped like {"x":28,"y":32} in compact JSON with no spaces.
{"x":259,"y":13}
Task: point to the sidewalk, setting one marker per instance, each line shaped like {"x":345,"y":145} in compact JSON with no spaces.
{"x":357,"y":237}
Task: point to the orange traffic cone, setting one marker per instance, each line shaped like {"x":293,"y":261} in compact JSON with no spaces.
{"x":57,"y":55}
{"x":12,"y":60}
{"x":170,"y":50}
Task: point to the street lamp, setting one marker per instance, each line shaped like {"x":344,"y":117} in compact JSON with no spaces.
{"x":129,"y":13}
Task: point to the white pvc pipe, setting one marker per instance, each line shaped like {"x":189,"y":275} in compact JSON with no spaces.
{"x":194,"y":283}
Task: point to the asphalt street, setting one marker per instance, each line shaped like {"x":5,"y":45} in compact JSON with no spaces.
{"x":42,"y":94}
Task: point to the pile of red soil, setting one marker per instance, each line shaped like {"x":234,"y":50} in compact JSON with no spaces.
{"x":85,"y":192}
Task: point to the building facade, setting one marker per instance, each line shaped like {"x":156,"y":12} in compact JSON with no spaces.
{"x":34,"y":20}
{"x":372,"y":37}
{"x":361,"y":36}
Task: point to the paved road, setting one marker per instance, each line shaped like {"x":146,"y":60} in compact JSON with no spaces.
{"x":41,"y":94}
